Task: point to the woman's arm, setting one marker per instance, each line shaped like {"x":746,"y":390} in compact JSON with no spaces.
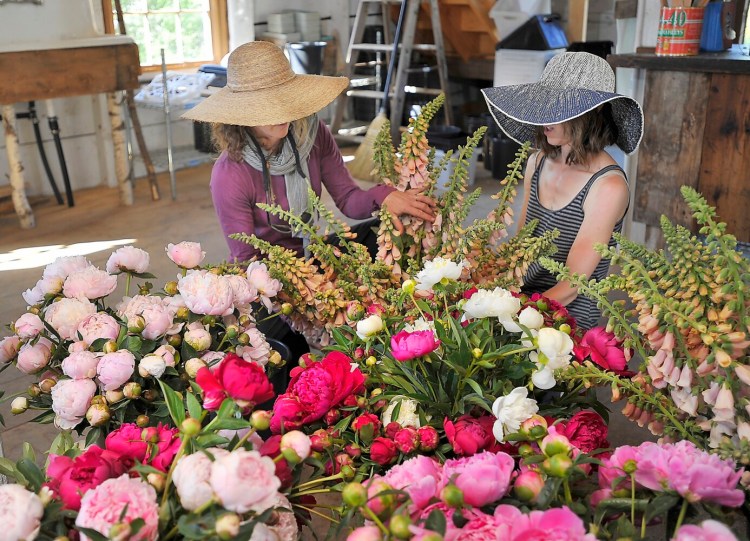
{"x":605,"y":205}
{"x":528,"y":173}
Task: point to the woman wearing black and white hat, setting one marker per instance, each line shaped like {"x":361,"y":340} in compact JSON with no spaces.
{"x":571,"y":184}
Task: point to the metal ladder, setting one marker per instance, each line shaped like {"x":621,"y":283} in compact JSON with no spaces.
{"x":406,"y":46}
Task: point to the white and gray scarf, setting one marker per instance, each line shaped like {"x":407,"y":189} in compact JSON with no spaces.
{"x":284,"y":163}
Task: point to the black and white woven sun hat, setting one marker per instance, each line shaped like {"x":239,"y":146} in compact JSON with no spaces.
{"x":572,"y":84}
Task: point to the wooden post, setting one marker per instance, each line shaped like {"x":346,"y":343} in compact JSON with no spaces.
{"x":578,"y":19}
{"x":17,"y":184}
{"x":114,"y":108}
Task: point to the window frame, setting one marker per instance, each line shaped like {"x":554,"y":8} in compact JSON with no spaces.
{"x":219,"y":34}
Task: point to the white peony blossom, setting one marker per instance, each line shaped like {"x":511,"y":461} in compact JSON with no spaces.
{"x":499,"y":303}
{"x":543,"y":378}
{"x":556,"y":346}
{"x":152,"y":365}
{"x":370,"y":326}
{"x":436,"y":270}
{"x":407,"y":414}
{"x":420,"y":324}
{"x":511,"y":410}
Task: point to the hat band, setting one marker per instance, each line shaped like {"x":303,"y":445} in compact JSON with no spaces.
{"x":261,"y":84}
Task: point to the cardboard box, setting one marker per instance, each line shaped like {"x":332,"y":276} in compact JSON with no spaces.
{"x":520,"y":66}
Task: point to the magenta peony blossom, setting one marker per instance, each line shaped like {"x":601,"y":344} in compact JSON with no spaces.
{"x":70,"y":400}
{"x":126,"y":497}
{"x":245,"y":481}
{"x":708,"y":530}
{"x":156,"y":446}
{"x":419,"y":477}
{"x":244,"y":382}
{"x":115,"y":369}
{"x":28,"y":325}
{"x":484,"y":478}
{"x":468,"y":435}
{"x":604,"y":349}
{"x":99,"y":325}
{"x":383,"y":451}
{"x":80,"y":365}
{"x":89,"y":283}
{"x":128,"y":259}
{"x":20,"y":512}
{"x":186,"y":254}
{"x":66,"y":315}
{"x":406,"y":346}
{"x":33,"y":357}
{"x":206,"y":293}
{"x":586,"y":430}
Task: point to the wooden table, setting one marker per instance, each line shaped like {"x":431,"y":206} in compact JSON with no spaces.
{"x":105,"y":64}
{"x":696,"y":133}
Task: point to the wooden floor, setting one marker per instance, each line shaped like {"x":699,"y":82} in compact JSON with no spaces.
{"x":97,"y":225}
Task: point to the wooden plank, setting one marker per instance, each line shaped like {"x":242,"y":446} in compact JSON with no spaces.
{"x":56,"y":73}
{"x":726,"y":152}
{"x":578,"y":18}
{"x":732,"y":61}
{"x":675,"y":105}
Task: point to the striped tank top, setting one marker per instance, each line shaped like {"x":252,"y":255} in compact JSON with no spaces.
{"x":568,"y":221}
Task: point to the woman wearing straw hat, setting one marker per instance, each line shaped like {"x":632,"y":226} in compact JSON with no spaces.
{"x":273,"y":147}
{"x":571,"y":184}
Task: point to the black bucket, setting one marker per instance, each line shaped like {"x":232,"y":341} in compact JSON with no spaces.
{"x":306,"y":57}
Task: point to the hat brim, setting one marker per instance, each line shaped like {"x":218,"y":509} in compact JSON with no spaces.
{"x":519,"y":109}
{"x":297,"y":98}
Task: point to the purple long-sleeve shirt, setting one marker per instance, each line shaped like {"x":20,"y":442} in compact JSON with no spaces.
{"x":236,"y":187}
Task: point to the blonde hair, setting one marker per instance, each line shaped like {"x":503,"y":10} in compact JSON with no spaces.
{"x":232,"y":138}
{"x":589,"y":134}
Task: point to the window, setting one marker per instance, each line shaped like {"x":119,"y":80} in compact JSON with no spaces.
{"x":191,"y":32}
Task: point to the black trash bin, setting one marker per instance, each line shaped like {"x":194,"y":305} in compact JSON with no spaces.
{"x":306,"y":57}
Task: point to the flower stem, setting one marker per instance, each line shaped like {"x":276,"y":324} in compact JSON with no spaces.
{"x":568,"y":495}
{"x":244,"y":438}
{"x":127,"y":284}
{"x":320,"y":481}
{"x":632,"y":499}
{"x":681,"y":517}
{"x":313,"y":511}
{"x":375,"y":519}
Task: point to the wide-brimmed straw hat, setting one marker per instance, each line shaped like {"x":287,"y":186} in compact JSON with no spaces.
{"x":572,"y":84}
{"x":263,"y":90}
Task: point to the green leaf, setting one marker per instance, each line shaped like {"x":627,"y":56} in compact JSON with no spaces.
{"x":62,"y":443}
{"x":31,"y":472}
{"x":132,"y":344}
{"x":174,"y":404}
{"x":194,"y":407}
{"x":28,"y":452}
{"x":474,"y":385}
{"x":436,"y":522}
{"x":93,"y":436}
{"x":660,"y":505}
{"x":7,"y":467}
{"x":210,"y":440}
{"x":92,"y":534}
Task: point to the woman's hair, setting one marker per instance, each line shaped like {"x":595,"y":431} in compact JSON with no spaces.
{"x":589,"y":134}
{"x":234,"y":138}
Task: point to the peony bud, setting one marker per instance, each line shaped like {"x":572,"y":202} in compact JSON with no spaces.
{"x":99,"y":399}
{"x":46,"y":385}
{"x":476,"y":353}
{"x":228,"y":526}
{"x":528,"y":485}
{"x":174,"y":340}
{"x":114,"y":396}
{"x":142,"y":421}
{"x":182,"y":313}
{"x":275,"y":358}
{"x":408,"y":287}
{"x":132,"y":390}
{"x":535,"y":427}
{"x":260,"y":419}
{"x":19,"y":405}
{"x":190,"y":427}
{"x":452,"y":496}
{"x":320,"y":440}
{"x":557,"y":465}
{"x":193,"y":365}
{"x":428,"y":438}
{"x":170,"y":288}
{"x":371,"y":361}
{"x":295,"y":446}
{"x":354,"y":495}
{"x":287,"y":309}
{"x":209,"y":320}
{"x":156,"y":480}
{"x":347,"y":472}
{"x":98,"y":415}
{"x":353,"y":450}
{"x":565,"y":328}
{"x":332,"y":417}
{"x":554,"y":444}
{"x":355,"y":311}
{"x":110,"y":346}
{"x":34,"y":390}
{"x":525,"y":450}
{"x":359,"y":354}
{"x":244,"y":339}
{"x":399,"y":526}
{"x":136,"y":324}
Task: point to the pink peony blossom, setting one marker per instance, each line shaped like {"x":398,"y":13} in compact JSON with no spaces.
{"x":21,"y":513}
{"x":708,"y":530}
{"x":480,"y":527}
{"x":365,"y":533}
{"x":419,"y":477}
{"x":258,"y":350}
{"x":192,"y":478}
{"x":98,"y":326}
{"x":261,"y":281}
{"x":157,"y":313}
{"x":66,"y":315}
{"x":614,"y":466}
{"x":406,"y":346}
{"x":123,"y":499}
{"x":80,"y":365}
{"x":206,"y":293}
{"x":70,"y":400}
{"x":70,"y":478}
{"x":245,"y":481}
{"x":186,"y":254}
{"x":28,"y":325}
{"x":9,"y":347}
{"x":115,"y":369}
{"x":484,"y":478}
{"x":243,"y":292}
{"x":244,"y":382}
{"x":89,"y":283}
{"x":128,"y":259}
{"x":43,"y":287}
{"x":197,"y":337}
{"x":560,"y":524}
{"x":62,"y":267}
{"x":156,"y":446}
{"x":167,"y":353}
{"x":33,"y":357}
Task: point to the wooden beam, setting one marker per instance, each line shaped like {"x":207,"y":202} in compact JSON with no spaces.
{"x":626,"y":9}
{"x":578,"y":18}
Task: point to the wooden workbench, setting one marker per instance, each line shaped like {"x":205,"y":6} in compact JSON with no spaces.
{"x":105,"y":64}
{"x":696,"y":133}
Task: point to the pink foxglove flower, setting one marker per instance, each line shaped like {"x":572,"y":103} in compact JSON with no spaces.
{"x":80,"y":365}
{"x":66,"y":315}
{"x":33,"y":357}
{"x":406,"y":346}
{"x":260,"y":279}
{"x":20,"y":512}
{"x":70,"y":400}
{"x":128,"y":259}
{"x":483,"y":478}
{"x":206,"y":293}
{"x":28,"y":325}
{"x":126,"y":497}
{"x":115,"y":369}
{"x":89,"y":283}
{"x":187,"y":255}
{"x":245,"y":481}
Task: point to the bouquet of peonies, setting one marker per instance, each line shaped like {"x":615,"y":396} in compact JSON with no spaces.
{"x":105,"y":365}
{"x":329,"y":288}
{"x":689,"y":323}
{"x":207,"y":476}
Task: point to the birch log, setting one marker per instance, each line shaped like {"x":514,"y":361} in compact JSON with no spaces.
{"x":17,"y":185}
{"x":114,"y":106}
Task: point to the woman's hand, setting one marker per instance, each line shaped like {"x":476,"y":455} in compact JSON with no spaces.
{"x":410,"y":202}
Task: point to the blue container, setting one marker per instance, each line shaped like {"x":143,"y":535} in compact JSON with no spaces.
{"x":712,"y":35}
